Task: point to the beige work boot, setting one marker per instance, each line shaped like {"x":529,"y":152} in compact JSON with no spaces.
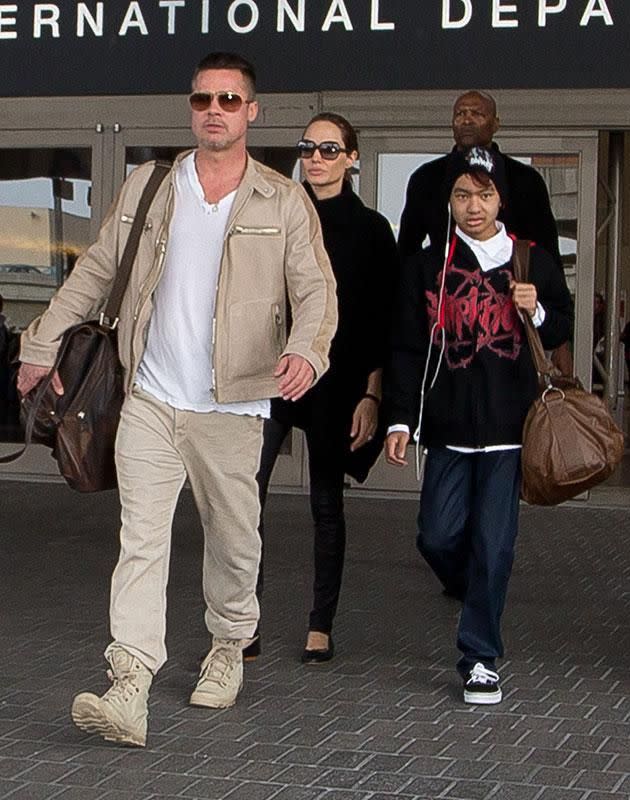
{"x":121,"y":714}
{"x":221,"y":676}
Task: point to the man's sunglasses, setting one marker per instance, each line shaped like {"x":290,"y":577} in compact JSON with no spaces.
{"x":228,"y":101}
{"x":328,"y":150}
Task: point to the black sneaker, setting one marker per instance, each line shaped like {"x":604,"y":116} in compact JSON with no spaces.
{"x":481,"y":686}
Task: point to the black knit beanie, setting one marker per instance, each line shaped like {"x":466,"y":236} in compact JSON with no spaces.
{"x":476,"y":161}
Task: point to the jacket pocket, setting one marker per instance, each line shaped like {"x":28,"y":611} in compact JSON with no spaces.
{"x":256,"y":338}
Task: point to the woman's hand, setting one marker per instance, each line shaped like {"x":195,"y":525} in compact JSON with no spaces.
{"x":364,"y":421}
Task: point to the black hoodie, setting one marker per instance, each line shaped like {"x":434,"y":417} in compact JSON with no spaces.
{"x":486,"y":381}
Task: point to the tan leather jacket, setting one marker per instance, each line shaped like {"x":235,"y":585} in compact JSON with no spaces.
{"x":273,"y":250}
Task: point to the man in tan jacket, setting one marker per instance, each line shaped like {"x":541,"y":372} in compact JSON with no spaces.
{"x":203,"y":340}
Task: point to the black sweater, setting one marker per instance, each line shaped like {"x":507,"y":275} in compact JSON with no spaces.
{"x":527,"y":214}
{"x":486,"y":381}
{"x":364,"y":259}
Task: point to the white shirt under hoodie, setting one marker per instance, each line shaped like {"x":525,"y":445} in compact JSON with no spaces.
{"x":491,"y":253}
{"x":176,"y":367}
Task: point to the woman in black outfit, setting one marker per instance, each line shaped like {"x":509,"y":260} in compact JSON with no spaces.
{"x":339,"y":416}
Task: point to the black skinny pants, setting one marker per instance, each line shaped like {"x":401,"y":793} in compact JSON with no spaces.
{"x":326,"y":470}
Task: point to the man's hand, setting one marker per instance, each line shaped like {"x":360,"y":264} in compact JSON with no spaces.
{"x":364,"y":422}
{"x":29,"y":375}
{"x":295,"y":375}
{"x":524,"y":297}
{"x":396,"y":448}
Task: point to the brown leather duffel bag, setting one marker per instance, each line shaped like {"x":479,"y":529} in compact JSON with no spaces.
{"x":570,"y":441}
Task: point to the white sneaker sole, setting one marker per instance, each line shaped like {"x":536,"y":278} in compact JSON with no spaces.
{"x":483,"y":698}
{"x":89,"y":717}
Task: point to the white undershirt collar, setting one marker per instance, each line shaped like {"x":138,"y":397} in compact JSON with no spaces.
{"x":493,"y":252}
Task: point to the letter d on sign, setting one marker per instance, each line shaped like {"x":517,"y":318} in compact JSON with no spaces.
{"x":448,"y":21}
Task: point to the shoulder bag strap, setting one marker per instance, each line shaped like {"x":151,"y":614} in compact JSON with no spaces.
{"x":109,"y":317}
{"x":520,"y":261}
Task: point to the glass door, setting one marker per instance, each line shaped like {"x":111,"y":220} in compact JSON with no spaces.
{"x":49,"y":211}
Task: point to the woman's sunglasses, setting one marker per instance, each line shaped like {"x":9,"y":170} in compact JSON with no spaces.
{"x":328,"y":150}
{"x":228,"y":101}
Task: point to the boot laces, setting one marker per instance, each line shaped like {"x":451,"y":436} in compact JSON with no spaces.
{"x":481,"y":674}
{"x":124,"y":686}
{"x":218,"y":665}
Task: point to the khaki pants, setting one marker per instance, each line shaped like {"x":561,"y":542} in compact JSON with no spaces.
{"x":157,"y":447}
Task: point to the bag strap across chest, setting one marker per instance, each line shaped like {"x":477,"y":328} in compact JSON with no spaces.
{"x":520,"y":263}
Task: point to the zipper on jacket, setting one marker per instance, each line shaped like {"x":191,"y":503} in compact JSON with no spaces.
{"x":141,"y":297}
{"x":214,"y":338}
{"x":277,"y":323}
{"x":249,"y":230}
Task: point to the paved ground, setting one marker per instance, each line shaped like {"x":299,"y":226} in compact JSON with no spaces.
{"x":384,"y":719}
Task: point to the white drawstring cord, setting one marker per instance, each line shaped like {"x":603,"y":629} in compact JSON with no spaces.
{"x":420,"y":450}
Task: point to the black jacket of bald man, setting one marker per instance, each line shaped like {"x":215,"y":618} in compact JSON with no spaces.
{"x":527,"y":213}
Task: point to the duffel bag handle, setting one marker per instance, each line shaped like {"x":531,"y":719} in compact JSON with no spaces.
{"x":39,"y":392}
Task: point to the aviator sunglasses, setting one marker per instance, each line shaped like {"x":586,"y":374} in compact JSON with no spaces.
{"x":329,"y":151}
{"x":228,"y":101}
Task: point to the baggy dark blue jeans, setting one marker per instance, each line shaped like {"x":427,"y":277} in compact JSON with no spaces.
{"x":467,"y":528}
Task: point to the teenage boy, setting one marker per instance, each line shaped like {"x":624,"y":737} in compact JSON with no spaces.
{"x":460,"y":353}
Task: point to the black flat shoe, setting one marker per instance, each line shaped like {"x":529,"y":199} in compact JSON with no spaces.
{"x":319,"y":656}
{"x":253,"y":650}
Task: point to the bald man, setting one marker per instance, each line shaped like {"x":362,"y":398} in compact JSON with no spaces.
{"x":527,"y":211}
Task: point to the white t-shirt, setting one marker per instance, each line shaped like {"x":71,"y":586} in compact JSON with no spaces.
{"x":176,"y":367}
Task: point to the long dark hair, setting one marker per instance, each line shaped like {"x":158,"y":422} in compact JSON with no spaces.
{"x":348,"y":133}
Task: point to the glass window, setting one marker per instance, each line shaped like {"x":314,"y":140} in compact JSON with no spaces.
{"x":561,"y":174}
{"x":45,"y":223}
{"x":45,"y":218}
{"x":394,"y":170}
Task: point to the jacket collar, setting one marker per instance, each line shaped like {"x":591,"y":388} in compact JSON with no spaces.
{"x":254,"y":177}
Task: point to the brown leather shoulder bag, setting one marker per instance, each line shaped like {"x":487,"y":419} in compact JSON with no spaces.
{"x":570,"y":441}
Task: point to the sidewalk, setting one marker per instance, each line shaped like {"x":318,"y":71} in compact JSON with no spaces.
{"x":384,"y":719}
